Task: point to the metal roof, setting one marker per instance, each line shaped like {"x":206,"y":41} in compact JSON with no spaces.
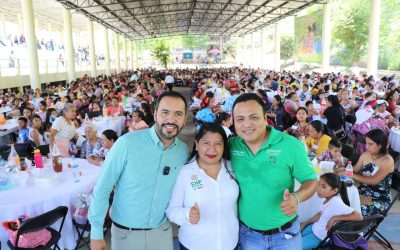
{"x":138,"y":19}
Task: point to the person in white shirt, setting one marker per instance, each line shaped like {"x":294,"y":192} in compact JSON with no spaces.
{"x":204,"y":199}
{"x":169,"y":80}
{"x":224,"y":119}
{"x":134,"y":76}
{"x":336,"y":207}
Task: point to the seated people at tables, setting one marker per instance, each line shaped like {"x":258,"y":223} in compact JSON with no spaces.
{"x":392,"y":99}
{"x":301,"y":127}
{"x":42,"y":108}
{"x":335,"y":208}
{"x":51,"y":116}
{"x":318,"y":140}
{"x":374,"y":172}
{"x":35,"y":132}
{"x":137,"y":122}
{"x":276,"y":112}
{"x":333,"y":154}
{"x":206,"y":114}
{"x":92,"y":144}
{"x":148,"y":115}
{"x":380,"y":111}
{"x":334,"y":113}
{"x":305,"y":94}
{"x":204,"y":199}
{"x":94,"y":110}
{"x":63,"y":130}
{"x":291,"y":104}
{"x":108,"y":138}
{"x":23,"y":136}
{"x":115,"y":109}
{"x":14,"y":113}
{"x":311,"y":111}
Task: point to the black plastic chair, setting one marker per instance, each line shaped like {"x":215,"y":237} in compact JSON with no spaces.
{"x":359,"y":137}
{"x":350,"y":230}
{"x":350,"y":153}
{"x":43,"y":221}
{"x":375,"y":233}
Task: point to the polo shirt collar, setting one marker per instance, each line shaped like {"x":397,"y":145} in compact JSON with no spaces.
{"x":273,"y":138}
{"x":156,"y":139}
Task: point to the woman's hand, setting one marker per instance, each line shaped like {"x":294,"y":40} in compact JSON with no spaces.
{"x":330,"y":223}
{"x":339,"y":171}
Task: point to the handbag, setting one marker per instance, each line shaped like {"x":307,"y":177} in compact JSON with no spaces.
{"x":28,"y":240}
{"x":338,"y":242}
{"x":340,"y":133}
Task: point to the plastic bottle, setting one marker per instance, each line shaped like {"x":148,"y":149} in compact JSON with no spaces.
{"x":323,"y":104}
{"x":105,"y":112}
{"x":13,"y":160}
{"x":75,"y":169}
{"x":349,"y":174}
{"x":2,"y":119}
{"x":87,"y":120}
{"x":37,"y":156}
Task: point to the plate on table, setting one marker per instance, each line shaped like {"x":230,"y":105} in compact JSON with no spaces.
{"x":47,"y":179}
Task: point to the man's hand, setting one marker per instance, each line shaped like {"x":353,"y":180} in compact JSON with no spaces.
{"x":98,"y":245}
{"x":289,"y":204}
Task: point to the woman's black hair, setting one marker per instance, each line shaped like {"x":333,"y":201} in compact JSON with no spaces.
{"x":390,"y":95}
{"x":139,"y":113}
{"x":278,"y":98}
{"x":319,"y":127}
{"x":262,"y":92}
{"x":334,"y":181}
{"x":47,"y":124}
{"x":302,"y":108}
{"x":334,"y":100}
{"x":290,"y":95}
{"x":43,"y":103}
{"x":223,"y":116}
{"x":380,"y":138}
{"x":213,"y":128}
{"x":110,"y":135}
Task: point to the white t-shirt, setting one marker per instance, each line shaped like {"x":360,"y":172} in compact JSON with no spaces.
{"x":169,"y":79}
{"x":335,"y":206}
{"x":65,"y":131}
{"x":228,"y":132}
{"x":218,"y":227}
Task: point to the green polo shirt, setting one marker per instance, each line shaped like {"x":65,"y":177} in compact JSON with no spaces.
{"x":263,"y":177}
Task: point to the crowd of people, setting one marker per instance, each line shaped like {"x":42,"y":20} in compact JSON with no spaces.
{"x":256,"y":132}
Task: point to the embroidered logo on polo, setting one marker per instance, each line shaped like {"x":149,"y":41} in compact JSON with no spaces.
{"x":196,"y":182}
{"x":273,"y":155}
{"x":237,"y":153}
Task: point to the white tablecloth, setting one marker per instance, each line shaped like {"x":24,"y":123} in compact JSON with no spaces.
{"x":115,"y":123}
{"x":5,"y":110}
{"x":11,"y":126}
{"x":311,"y":207}
{"x":34,"y":200}
{"x":394,"y":139}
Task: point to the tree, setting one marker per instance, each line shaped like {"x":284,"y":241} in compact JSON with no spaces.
{"x":195,"y":41}
{"x":350,"y":33}
{"x":160,"y":51}
{"x":287,"y":47}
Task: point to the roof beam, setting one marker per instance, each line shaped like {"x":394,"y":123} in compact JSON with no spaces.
{"x":191,"y":16}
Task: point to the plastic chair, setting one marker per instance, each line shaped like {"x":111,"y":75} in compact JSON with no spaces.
{"x":43,"y":221}
{"x":375,"y":233}
{"x":350,"y":230}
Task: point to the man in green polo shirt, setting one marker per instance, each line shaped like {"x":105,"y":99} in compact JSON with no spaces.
{"x":266,"y":162}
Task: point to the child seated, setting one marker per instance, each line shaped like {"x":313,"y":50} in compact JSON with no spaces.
{"x":137,"y":121}
{"x":335,"y":208}
{"x":332,"y":154}
{"x":224,"y":119}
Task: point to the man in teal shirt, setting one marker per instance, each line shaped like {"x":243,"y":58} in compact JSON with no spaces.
{"x":266,"y":162}
{"x":141,"y":167}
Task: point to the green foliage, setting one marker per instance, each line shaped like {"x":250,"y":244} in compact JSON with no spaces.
{"x":161,"y":52}
{"x":350,"y":33}
{"x":287,"y":47}
{"x":195,"y":42}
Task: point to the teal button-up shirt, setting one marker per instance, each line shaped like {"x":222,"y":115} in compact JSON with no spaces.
{"x":135,"y":166}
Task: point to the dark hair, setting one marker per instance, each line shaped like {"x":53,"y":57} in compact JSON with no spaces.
{"x":302,"y":108}
{"x":43,"y":103}
{"x":380,"y":138}
{"x":290,"y":95}
{"x":46,"y":125}
{"x":110,"y":134}
{"x":223,"y":116}
{"x":390,"y":95}
{"x":249,"y":97}
{"x":139,"y":113}
{"x":335,"y":143}
{"x":35,"y":117}
{"x":262,"y":92}
{"x":319,"y":127}
{"x":308,"y":103}
{"x":334,"y":100}
{"x":173,"y":94}
{"x":334,"y":181}
{"x":24,"y":119}
{"x":213,"y":128}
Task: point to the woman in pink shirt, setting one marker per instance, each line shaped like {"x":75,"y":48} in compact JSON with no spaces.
{"x":137,"y":121}
{"x":115,"y":108}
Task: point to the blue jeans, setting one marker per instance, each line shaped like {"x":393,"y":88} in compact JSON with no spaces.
{"x":286,"y":239}
{"x":310,"y":241}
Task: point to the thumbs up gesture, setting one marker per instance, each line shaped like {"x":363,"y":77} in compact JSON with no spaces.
{"x":194,"y":214}
{"x":289,"y":203}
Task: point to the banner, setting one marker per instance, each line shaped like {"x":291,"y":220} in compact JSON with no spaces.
{"x":308,"y":37}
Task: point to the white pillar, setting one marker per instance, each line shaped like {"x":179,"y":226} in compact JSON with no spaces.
{"x":92,"y":49}
{"x":131,"y":53}
{"x":69,"y":46}
{"x":125,"y":50}
{"x":116,"y":50}
{"x":326,"y":38}
{"x":107,"y":52}
{"x":277,"y":48}
{"x":263,"y":49}
{"x":29,"y":24}
{"x":373,"y":37}
{"x":252,"y":54}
